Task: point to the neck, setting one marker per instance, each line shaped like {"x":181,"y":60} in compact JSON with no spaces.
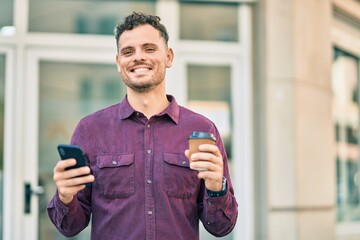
{"x":149,"y":104}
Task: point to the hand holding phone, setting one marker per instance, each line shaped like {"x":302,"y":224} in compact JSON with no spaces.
{"x":67,"y":151}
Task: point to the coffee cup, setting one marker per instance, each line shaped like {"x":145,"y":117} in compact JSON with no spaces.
{"x":196,"y":139}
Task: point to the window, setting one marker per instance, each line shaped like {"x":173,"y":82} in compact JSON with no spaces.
{"x":209,"y":94}
{"x":6,"y":17}
{"x":209,"y":21}
{"x":346,"y":106}
{"x":68,"y":92}
{"x":67,"y":16}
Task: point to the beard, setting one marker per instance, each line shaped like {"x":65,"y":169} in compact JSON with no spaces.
{"x":141,"y":88}
{"x":143,"y":84}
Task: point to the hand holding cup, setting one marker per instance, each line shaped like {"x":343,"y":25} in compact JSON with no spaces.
{"x":195,"y":140}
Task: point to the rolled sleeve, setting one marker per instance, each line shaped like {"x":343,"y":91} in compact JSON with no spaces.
{"x":220,"y":214}
{"x":66,"y":216}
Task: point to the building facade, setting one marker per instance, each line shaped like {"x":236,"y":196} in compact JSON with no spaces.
{"x":279,"y":78}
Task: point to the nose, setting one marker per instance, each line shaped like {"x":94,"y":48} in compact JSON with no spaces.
{"x":139,"y":56}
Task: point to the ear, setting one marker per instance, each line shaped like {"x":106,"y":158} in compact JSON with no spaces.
{"x":169,"y":57}
{"x":117,"y":63}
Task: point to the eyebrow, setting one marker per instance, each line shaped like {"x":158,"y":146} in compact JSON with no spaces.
{"x":143,"y":45}
{"x":125,"y":48}
{"x":149,"y":44}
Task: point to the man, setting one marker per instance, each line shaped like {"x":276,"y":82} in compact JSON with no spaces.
{"x":142,"y":184}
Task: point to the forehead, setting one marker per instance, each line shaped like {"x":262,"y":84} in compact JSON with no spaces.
{"x":140,"y":35}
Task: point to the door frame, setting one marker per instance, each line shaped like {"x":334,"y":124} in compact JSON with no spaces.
{"x":349,"y":41}
{"x":242,"y":167}
{"x":31,"y":113}
{"x":11,"y":158}
{"x":239,"y":57}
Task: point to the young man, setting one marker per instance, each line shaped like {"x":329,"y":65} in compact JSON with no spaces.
{"x":142,"y":184}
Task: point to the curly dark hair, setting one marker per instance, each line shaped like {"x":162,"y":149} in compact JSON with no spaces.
{"x":136,"y":19}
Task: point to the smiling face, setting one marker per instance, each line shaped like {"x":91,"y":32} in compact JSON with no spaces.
{"x":143,"y":58}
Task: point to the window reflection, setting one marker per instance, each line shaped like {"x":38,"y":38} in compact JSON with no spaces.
{"x":6,"y":18}
{"x":68,"y":92}
{"x":345,"y":81}
{"x":209,"y":94}
{"x":209,"y":21}
{"x":83,"y":17}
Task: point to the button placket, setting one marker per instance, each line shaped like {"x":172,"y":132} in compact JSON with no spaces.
{"x":148,"y":178}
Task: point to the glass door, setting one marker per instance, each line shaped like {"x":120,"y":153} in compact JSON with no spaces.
{"x":209,"y":93}
{"x":9,"y":211}
{"x":210,"y":85}
{"x":2,"y":108}
{"x":62,"y":90}
{"x":4,"y":72}
{"x":212,"y":75}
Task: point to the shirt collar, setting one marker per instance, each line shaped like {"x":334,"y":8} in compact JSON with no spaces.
{"x":172,"y":110}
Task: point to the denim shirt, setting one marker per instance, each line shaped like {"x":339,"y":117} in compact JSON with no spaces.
{"x":144,"y":188}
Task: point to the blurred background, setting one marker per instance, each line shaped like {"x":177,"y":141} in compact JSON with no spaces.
{"x":280,"y":78}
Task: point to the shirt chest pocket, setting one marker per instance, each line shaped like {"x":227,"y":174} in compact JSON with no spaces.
{"x":115,"y":175}
{"x":178,"y":179}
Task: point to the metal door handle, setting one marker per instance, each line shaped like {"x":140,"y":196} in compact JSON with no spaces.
{"x":37,"y":190}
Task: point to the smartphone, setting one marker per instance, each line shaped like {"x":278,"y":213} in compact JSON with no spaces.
{"x":67,"y":151}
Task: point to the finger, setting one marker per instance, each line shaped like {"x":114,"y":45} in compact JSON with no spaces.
{"x":76,"y":181}
{"x":209,"y":166}
{"x":187,"y":153}
{"x":68,"y":192}
{"x":61,"y":165}
{"x":210,"y":148}
{"x":210,"y":175}
{"x":72,"y":173}
{"x":206,"y":156}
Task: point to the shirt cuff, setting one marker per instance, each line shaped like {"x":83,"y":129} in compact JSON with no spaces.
{"x":219,"y":193}
{"x":63,"y":208}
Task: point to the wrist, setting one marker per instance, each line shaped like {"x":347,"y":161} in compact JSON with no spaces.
{"x":220,"y":193}
{"x":65,"y":200}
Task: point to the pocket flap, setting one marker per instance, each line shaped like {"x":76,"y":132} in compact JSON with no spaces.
{"x":176,"y":159}
{"x":111,"y":161}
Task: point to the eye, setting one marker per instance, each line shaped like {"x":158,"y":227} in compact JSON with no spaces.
{"x":126,"y":52}
{"x":150,"y":49}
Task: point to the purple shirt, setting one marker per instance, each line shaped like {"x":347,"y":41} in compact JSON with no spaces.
{"x":144,"y":188}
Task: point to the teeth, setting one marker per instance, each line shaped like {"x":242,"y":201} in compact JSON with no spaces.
{"x":141,"y":70}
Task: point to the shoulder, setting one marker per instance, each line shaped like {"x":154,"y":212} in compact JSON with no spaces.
{"x":105,"y":114}
{"x":190,"y":116}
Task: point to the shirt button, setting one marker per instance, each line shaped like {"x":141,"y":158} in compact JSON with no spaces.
{"x":114,"y":162}
{"x":150,"y":212}
{"x":208,"y":223}
{"x":148,"y":126}
{"x":149,"y":151}
{"x":183,"y":162}
{"x":149,"y":181}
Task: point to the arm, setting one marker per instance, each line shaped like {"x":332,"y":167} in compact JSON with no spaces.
{"x":70,"y":219}
{"x":218,"y":214}
{"x":70,"y":208}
